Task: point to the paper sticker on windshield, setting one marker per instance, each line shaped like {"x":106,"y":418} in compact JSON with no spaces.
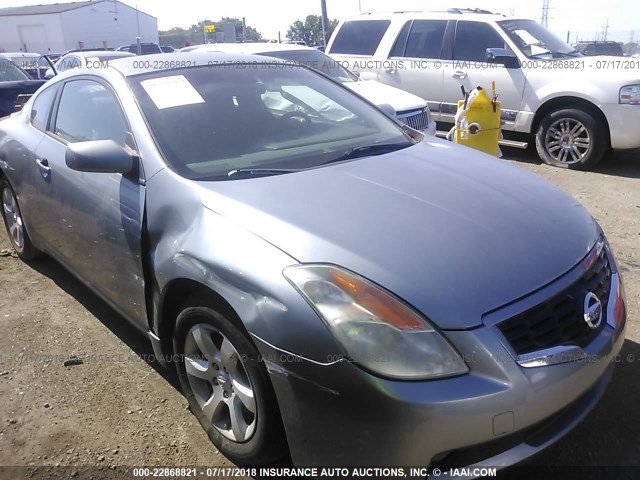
{"x":174,"y":91}
{"x":526,"y":37}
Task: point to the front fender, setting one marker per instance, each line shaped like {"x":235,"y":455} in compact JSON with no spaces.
{"x":189,"y":241}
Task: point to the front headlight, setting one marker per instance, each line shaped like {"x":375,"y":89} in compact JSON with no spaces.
{"x":377,"y":331}
{"x":630,"y":95}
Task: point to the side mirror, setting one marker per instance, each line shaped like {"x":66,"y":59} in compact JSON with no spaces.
{"x":99,"y":156}
{"x":48,"y":75}
{"x":502,"y":56}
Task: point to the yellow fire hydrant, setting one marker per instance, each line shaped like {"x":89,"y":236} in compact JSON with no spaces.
{"x":478,"y":122}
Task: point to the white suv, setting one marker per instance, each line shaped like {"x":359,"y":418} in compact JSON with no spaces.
{"x":577,"y":107}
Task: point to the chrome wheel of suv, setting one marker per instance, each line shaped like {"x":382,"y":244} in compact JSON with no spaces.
{"x":572,"y":138}
{"x":567,"y":141}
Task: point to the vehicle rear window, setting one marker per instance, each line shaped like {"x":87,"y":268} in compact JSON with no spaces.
{"x":360,"y":37}
{"x":10,"y":72}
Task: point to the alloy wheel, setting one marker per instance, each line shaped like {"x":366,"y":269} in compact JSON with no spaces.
{"x":567,"y":141}
{"x":220,"y":383}
{"x":13,"y":218}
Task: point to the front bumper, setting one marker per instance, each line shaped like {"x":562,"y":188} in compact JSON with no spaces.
{"x":498,"y":414}
{"x":624,"y":124}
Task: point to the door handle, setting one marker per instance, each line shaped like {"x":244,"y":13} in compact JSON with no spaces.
{"x":459,"y":74}
{"x":390,"y":71}
{"x":43,"y":165}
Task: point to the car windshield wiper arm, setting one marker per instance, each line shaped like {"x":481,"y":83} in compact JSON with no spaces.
{"x":368,"y":150}
{"x":260,"y":172}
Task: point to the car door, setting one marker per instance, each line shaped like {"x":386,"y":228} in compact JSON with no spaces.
{"x":469,"y":68}
{"x":93,"y":221}
{"x":415,"y":61}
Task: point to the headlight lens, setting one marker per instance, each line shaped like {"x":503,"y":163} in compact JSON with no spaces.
{"x":376,"y":330}
{"x":630,"y":95}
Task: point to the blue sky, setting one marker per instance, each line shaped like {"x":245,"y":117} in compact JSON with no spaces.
{"x":583,"y":17}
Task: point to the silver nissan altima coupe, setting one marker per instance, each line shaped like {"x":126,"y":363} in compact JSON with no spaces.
{"x":346,"y":291}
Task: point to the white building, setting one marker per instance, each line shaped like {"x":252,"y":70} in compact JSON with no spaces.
{"x":59,"y":27}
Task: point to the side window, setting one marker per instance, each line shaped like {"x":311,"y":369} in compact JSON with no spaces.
{"x":42,"y":107}
{"x":360,"y":37}
{"x":425,"y":39}
{"x":401,"y":41}
{"x":89,"y":111}
{"x":473,"y":39}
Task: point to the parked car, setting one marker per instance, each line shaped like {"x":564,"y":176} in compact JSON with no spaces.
{"x":167,"y":49}
{"x":92,"y":59}
{"x":576,"y":107}
{"x":599,"y":48}
{"x":145,"y":48}
{"x":405,"y":107}
{"x":15,"y":84}
{"x":353,"y":290}
{"x":34,"y":64}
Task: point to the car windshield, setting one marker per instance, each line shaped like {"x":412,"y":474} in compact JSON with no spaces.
{"x":10,"y":72}
{"x":535,"y":41}
{"x":317,"y":60}
{"x":210,"y":121}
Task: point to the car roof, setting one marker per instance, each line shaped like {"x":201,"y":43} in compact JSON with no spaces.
{"x":253,"y":47}
{"x":131,"y":66}
{"x":430,"y":15}
{"x":20,"y":54}
{"x":100,"y":53}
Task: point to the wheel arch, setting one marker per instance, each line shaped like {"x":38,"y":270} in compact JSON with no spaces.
{"x":560,"y":103}
{"x":175,"y":294}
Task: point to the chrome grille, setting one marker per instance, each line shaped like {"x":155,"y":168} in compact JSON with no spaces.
{"x":416,"y":119}
{"x":560,"y":320}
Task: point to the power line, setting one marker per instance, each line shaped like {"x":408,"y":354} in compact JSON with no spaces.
{"x":545,"y":13}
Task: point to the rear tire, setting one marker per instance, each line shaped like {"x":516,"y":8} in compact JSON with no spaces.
{"x":227,"y":386}
{"x":14,"y":224}
{"x":571,"y":138}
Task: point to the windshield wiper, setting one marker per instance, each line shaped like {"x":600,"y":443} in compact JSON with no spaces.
{"x":260,"y":172}
{"x":368,"y":150}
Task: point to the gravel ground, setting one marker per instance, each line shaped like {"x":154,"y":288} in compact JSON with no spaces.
{"x":116,"y":409}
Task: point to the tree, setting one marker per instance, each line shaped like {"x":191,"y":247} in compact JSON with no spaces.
{"x":179,"y":37}
{"x":310,"y":31}
{"x":631,"y":48}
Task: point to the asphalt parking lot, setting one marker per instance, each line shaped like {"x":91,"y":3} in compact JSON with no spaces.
{"x":115,"y":408}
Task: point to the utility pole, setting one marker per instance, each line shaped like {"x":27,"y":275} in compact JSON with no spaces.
{"x":545,"y":13}
{"x":606,"y":29}
{"x":325,"y":21}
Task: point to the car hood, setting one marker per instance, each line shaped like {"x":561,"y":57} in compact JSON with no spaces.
{"x":451,"y":231}
{"x":379,"y":93}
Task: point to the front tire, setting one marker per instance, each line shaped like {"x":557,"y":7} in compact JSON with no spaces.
{"x":571,"y":138}
{"x":227,"y":387}
{"x":14,"y":223}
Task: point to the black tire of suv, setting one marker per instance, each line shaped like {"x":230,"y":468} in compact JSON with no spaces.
{"x":594,"y":130}
{"x":268,"y":442}
{"x":26,"y":251}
